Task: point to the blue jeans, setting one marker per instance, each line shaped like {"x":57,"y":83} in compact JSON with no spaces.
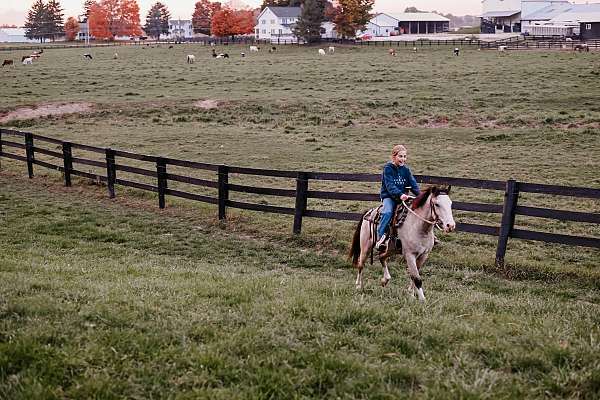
{"x":389,"y":205}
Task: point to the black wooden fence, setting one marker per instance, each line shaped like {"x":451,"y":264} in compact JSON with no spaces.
{"x":113,"y":161}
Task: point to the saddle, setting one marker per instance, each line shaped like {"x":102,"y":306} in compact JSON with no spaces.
{"x":400,"y":213}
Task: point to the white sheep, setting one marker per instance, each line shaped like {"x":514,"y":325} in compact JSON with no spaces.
{"x":322,"y":52}
{"x":254,"y":48}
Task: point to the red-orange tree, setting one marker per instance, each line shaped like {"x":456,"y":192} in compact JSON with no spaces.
{"x":203,"y":14}
{"x":110,"y":18}
{"x":228,"y":22}
{"x":71,"y":28}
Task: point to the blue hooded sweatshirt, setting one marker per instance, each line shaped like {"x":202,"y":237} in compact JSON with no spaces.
{"x":396,"y":180}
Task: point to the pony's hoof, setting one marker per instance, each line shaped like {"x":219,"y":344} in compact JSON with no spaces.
{"x":384,"y":282}
{"x":359,"y":287}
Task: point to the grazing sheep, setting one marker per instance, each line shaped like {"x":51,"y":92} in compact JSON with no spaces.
{"x":116,"y":56}
{"x":191,"y":58}
{"x":27,"y":61}
{"x":223,"y":55}
{"x":456,"y":51}
{"x":414,"y":49}
{"x":331,"y":49}
{"x":254,"y":48}
{"x":88,"y":56}
{"x":502,"y":48}
{"x":568,"y":39}
{"x":8,"y":62}
{"x":321,"y":52}
{"x":392,"y":52}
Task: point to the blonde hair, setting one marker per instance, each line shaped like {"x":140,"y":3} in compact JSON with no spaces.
{"x":397,"y":149}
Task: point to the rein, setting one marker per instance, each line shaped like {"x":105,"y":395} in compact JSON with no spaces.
{"x":434,"y":215}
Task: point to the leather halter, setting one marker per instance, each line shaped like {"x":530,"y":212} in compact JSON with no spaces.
{"x":434,"y":215}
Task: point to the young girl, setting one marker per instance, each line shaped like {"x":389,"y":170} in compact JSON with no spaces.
{"x":396,"y":181}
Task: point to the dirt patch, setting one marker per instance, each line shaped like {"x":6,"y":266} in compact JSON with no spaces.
{"x":45,"y":110}
{"x":206,"y":104}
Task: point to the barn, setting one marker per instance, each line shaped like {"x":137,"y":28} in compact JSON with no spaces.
{"x":590,"y":29}
{"x":421,"y":23}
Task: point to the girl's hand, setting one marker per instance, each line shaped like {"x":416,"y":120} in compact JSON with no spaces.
{"x":403,"y":197}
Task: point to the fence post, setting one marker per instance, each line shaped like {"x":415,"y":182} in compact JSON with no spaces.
{"x":511,"y":197}
{"x":301,"y":200}
{"x":29,"y":153}
{"x":223,"y":190}
{"x":67,"y":162}
{"x":111,"y":172}
{"x":161,"y":174}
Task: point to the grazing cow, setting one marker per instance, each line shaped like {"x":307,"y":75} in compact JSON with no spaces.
{"x":456,"y":51}
{"x":581,"y":47}
{"x":223,"y":55}
{"x":254,"y":48}
{"x":321,"y":52}
{"x":191,"y":58}
{"x":392,"y":52}
{"x":27,"y":61}
{"x":8,"y":62}
{"x":88,"y":56}
{"x":331,"y":49}
{"x":502,"y":48}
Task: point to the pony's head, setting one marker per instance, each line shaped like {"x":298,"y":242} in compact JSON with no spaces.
{"x":441,"y":206}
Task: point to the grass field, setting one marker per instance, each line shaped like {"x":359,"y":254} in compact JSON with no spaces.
{"x":113,"y":299}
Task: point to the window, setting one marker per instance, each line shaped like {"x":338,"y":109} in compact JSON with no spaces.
{"x":272,"y":31}
{"x":272,"y":22}
{"x":264,"y":31}
{"x":588,"y":27}
{"x":263,"y":21}
{"x":280,"y":31}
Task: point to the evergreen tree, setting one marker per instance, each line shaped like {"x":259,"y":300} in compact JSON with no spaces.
{"x":157,"y":21}
{"x":87,"y":4}
{"x":37,"y":25}
{"x":312,"y":16}
{"x":56,"y":25}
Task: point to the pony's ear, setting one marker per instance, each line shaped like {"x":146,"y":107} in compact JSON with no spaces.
{"x":448,"y":189}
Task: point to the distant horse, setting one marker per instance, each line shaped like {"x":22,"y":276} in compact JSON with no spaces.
{"x":432,"y":207}
{"x":8,"y":62}
{"x":581,"y":47}
{"x":27,"y":60}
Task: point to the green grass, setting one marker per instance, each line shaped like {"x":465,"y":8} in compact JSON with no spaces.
{"x":109,"y":298}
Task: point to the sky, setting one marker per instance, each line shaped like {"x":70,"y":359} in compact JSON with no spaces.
{"x":14,"y":11}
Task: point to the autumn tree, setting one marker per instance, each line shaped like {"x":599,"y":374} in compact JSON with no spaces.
{"x":71,"y":28}
{"x":111,"y":18}
{"x":157,"y":21}
{"x":312,"y":16}
{"x":229,"y":22}
{"x":203,"y":15}
{"x":352,"y":16}
{"x":87,"y":5}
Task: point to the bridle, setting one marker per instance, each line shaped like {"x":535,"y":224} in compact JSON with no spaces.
{"x":435,"y":219}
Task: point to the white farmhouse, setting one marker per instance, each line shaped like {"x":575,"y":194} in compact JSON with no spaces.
{"x":180,"y":29}
{"x":277,"y":24}
{"x":15,"y":35}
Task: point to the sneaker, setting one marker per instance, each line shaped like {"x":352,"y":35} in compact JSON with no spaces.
{"x":381,"y":243}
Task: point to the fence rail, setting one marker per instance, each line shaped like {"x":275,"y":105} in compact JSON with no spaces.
{"x":509,"y":210}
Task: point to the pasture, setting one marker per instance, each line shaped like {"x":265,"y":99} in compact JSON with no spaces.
{"x":112,"y":298}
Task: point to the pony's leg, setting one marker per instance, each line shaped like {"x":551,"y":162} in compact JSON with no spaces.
{"x":365,"y":247}
{"x":411,"y":262}
{"x":386,"y":273}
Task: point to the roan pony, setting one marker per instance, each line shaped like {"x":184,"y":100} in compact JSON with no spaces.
{"x":432,"y":207}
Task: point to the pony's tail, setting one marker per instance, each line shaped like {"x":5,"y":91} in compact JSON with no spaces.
{"x":354,"y":251}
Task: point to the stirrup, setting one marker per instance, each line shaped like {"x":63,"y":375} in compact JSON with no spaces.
{"x":381,"y":244}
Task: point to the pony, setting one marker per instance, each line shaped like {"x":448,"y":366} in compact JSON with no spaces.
{"x":331,"y":49}
{"x":456,"y":51}
{"x":191,"y":58}
{"x":321,"y":52}
{"x":8,"y":62}
{"x":392,"y":52}
{"x":432,"y":207}
{"x":254,"y":48}
{"x":27,"y":60}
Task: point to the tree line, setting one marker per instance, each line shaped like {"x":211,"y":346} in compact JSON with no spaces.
{"x":108,"y":19}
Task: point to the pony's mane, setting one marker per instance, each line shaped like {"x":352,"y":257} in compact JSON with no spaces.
{"x":421,"y":198}
{"x":419,"y":201}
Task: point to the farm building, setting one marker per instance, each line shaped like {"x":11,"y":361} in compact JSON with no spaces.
{"x":14,"y":35}
{"x":277,"y":24}
{"x":590,"y":29}
{"x":564,"y":19}
{"x":381,"y":25}
{"x":180,"y":29}
{"x":421,"y":23}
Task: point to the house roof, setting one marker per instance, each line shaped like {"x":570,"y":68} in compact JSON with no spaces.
{"x":419,"y":17}
{"x":498,"y":14}
{"x":564,"y":12}
{"x":285,"y":12}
